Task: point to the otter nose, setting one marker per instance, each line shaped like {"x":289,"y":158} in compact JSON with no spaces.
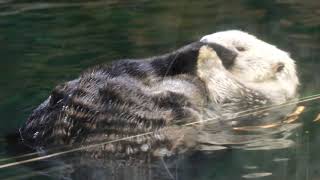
{"x":226,"y":55}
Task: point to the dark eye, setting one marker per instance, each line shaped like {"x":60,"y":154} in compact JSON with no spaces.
{"x":240,"y":48}
{"x":280,"y":67}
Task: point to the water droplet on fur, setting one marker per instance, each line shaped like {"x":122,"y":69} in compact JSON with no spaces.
{"x":145,"y":147}
{"x":129,"y":150}
{"x":35,"y":135}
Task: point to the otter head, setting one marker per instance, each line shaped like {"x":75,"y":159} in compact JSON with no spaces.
{"x":257,"y":64}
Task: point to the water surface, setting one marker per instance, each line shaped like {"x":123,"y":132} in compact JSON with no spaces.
{"x":43,"y":43}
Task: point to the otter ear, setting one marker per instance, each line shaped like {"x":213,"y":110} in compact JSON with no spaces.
{"x":226,"y":55}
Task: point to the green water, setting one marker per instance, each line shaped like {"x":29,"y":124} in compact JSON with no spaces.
{"x":43,"y":43}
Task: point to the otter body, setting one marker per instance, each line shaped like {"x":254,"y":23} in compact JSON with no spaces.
{"x":130,"y":97}
{"x":125,"y":98}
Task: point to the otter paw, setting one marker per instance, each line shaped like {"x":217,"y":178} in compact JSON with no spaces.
{"x":208,"y":59}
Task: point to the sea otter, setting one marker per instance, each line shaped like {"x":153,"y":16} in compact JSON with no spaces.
{"x":216,"y":77}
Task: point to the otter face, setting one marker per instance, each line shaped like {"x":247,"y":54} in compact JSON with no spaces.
{"x":258,"y":64}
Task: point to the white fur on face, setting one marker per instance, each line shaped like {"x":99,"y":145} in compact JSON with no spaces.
{"x":211,"y":70}
{"x":256,"y":64}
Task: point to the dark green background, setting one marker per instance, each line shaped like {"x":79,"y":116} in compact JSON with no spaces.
{"x":43,"y":43}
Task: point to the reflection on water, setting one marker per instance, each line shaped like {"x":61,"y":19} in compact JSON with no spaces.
{"x":80,"y":163}
{"x":47,"y":42}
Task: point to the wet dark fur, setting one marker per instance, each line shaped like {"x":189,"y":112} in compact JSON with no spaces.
{"x":109,"y":102}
